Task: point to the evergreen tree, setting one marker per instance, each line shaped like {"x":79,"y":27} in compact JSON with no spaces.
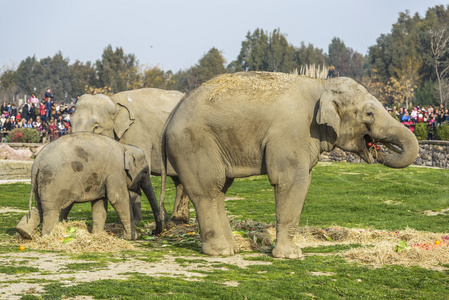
{"x":346,"y":61}
{"x":309,"y":55}
{"x":209,"y":66}
{"x":117,"y":70}
{"x":82,"y":76}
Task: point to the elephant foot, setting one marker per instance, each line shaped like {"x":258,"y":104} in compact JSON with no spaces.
{"x":287,"y":250}
{"x":130,"y":236}
{"x":219,"y":246}
{"x":25,"y":232}
{"x":176,"y":220}
{"x":27,"y":225}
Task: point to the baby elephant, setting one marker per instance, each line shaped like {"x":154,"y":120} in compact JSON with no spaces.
{"x":83,"y":167}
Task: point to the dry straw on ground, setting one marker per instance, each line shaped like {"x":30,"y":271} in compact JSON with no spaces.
{"x":378,"y":247}
{"x":425,"y":249}
{"x":83,"y":240}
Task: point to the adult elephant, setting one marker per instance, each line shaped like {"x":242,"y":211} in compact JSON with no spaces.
{"x":136,"y":118}
{"x":251,"y":123}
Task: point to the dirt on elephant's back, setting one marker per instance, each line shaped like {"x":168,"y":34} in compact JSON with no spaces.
{"x":261,"y":85}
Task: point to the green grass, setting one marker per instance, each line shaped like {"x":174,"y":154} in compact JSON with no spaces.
{"x":347,"y":195}
{"x":12,"y":270}
{"x":282,"y":279}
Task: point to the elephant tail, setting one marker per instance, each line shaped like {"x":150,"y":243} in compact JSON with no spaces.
{"x":164,"y":163}
{"x":163,"y":175}
{"x":34,"y":172}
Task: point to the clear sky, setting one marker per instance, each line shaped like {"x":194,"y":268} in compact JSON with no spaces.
{"x":175,"y":34}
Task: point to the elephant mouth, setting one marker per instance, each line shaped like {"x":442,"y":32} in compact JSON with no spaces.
{"x":376,"y":150}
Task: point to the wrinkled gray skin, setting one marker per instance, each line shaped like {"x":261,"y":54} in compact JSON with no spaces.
{"x":84,"y":167}
{"x":136,"y":118}
{"x":221,"y":131}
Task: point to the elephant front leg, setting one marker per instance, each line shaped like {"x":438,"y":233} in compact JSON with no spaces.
{"x":119,"y":198}
{"x":99,"y":214}
{"x":290,"y":193}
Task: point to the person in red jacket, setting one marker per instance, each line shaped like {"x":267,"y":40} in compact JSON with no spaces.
{"x":43,"y":112}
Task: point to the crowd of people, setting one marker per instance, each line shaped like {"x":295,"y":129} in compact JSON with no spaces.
{"x":430,"y":115}
{"x":47,"y":117}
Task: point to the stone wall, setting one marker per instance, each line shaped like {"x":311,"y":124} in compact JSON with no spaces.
{"x":15,"y":169}
{"x":431,"y":154}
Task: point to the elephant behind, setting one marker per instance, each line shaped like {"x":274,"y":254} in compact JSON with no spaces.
{"x":136,"y":118}
{"x":84,"y":167}
{"x":251,"y":123}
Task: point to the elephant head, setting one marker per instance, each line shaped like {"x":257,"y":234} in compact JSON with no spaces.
{"x":138,"y":177}
{"x":100,"y":114}
{"x":136,"y":167}
{"x":355,"y":118}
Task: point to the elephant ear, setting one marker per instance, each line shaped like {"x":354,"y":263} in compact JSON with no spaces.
{"x":329,"y":111}
{"x":130,"y":164}
{"x":124,"y":118}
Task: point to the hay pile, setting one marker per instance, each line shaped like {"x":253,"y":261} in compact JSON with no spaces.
{"x":379,"y":248}
{"x":74,"y":237}
{"x":267,"y":84}
{"x":421,"y":248}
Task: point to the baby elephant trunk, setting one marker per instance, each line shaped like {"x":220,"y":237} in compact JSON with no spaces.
{"x":147,"y":188}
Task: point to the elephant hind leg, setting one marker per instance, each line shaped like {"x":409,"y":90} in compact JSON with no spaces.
{"x":99,"y":214}
{"x":206,"y":193}
{"x":181,"y":213}
{"x":50,"y":219}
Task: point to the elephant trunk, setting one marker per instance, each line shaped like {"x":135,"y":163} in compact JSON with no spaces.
{"x":147,"y":188}
{"x":403,"y":145}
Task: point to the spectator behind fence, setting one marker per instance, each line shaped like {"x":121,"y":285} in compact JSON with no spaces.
{"x":3,"y":120}
{"x":42,"y":112}
{"x":13,"y":110}
{"x":4,"y":108}
{"x":25,"y":110}
{"x":29,"y":124}
{"x":34,"y":100}
{"x":48,"y":109}
{"x":8,"y":125}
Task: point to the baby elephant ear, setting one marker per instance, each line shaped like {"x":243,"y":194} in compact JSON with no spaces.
{"x":329,"y":111}
{"x":130,"y":163}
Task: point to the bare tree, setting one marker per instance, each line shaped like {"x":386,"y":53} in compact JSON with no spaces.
{"x":438,"y":45}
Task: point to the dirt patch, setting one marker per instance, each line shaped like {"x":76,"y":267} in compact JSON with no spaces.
{"x":321,"y":273}
{"x":436,"y":213}
{"x":391,"y":202}
{"x":53,"y":266}
{"x":4,"y":210}
{"x":234,"y":198}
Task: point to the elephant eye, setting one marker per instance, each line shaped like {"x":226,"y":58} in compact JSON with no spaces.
{"x":96,"y":126}
{"x":370,"y":114}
